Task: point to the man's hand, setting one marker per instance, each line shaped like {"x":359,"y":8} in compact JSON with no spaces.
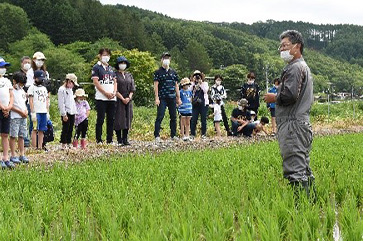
{"x":65,"y":118}
{"x":157,"y":101}
{"x":270,"y":98}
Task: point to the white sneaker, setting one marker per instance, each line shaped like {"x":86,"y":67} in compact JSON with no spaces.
{"x":185,"y":138}
{"x":158,"y":140}
{"x":175,"y":139}
{"x":204,"y":137}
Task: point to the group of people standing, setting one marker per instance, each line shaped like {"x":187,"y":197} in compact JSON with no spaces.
{"x":194,"y":97}
{"x":27,"y":95}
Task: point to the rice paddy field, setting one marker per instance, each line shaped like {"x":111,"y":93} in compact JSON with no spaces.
{"x":235,"y":193}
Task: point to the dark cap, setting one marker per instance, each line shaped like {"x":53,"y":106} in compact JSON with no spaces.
{"x":165,"y":54}
{"x":40,"y":75}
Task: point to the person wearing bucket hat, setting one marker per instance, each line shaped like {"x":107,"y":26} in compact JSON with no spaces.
{"x":167,"y":94}
{"x":200,"y":102}
{"x":6,"y":103}
{"x":185,"y":109}
{"x":67,"y":108}
{"x":81,"y":118}
{"x":124,"y":110}
{"x":240,"y":117}
{"x":105,"y":83}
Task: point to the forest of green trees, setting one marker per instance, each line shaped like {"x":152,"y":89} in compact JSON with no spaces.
{"x":70,"y":32}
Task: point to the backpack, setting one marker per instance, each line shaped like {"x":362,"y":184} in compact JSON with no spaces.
{"x":49,"y":134}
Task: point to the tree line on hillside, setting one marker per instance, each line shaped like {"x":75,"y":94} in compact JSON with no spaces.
{"x":71,"y":32}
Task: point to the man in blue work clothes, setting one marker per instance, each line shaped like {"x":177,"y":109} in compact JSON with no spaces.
{"x":167,"y":94}
{"x":293,"y":104}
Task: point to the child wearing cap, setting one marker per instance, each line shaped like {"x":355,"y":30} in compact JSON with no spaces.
{"x":185,"y":109}
{"x":67,"y":107}
{"x":39,"y":108}
{"x":81,"y":118}
{"x":6,"y":103}
{"x":217,"y":112}
{"x":18,"y":118}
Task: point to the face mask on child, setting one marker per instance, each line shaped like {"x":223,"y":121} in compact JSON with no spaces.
{"x":2,"y":71}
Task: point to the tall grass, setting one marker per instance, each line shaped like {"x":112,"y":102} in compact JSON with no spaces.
{"x":236,"y":193}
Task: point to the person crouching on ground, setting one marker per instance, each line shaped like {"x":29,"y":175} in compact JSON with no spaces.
{"x":240,"y":117}
{"x":81,"y":118}
{"x":67,"y":107}
{"x":186,"y":108}
{"x":18,"y":118}
{"x":39,"y":105}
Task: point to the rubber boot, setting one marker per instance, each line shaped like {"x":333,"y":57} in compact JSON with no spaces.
{"x":83,"y":143}
{"x":75,"y":143}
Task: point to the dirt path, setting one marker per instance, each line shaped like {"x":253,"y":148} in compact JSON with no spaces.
{"x":94,"y":151}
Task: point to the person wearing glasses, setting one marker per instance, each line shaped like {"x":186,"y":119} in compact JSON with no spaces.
{"x":293,"y":100}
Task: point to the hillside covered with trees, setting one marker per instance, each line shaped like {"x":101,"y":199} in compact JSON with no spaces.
{"x":71,"y":32}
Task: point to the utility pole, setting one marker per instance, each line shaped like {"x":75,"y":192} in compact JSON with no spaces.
{"x":267,"y":80}
{"x":353,"y":104}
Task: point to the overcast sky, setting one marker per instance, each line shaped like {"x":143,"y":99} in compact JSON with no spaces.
{"x":249,"y":11}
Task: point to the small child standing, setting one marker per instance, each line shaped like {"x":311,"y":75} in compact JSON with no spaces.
{"x":39,"y":105}
{"x":186,"y":108}
{"x":217,"y":107}
{"x":67,"y":107}
{"x":6,"y":103}
{"x":18,"y":118}
{"x":81,"y":118}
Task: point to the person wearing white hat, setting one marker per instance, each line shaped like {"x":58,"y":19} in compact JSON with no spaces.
{"x":81,"y":118}
{"x":38,"y":63}
{"x":67,"y":107}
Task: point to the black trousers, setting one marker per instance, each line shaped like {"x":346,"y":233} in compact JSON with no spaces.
{"x":81,"y":129}
{"x":102,"y":108}
{"x":67,"y":128}
{"x":225,"y":120}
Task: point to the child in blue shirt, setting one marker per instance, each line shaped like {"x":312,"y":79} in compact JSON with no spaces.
{"x":185,"y":109}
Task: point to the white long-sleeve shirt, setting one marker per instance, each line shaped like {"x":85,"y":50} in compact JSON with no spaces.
{"x":66,"y":102}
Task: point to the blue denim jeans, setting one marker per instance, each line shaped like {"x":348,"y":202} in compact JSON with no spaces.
{"x":203,"y":111}
{"x":171,"y":105}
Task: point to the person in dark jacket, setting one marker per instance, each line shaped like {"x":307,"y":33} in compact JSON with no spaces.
{"x":125,"y":91}
{"x":251,"y":92}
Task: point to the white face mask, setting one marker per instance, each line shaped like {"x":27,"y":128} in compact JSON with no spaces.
{"x":166,"y":62}
{"x":39,"y":63}
{"x":105,"y":59}
{"x":286,"y":56}
{"x":218,"y":82}
{"x":122,"y":66}
{"x":27,"y":66}
{"x":250,"y":81}
{"x":240,"y":108}
{"x":2,"y":71}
